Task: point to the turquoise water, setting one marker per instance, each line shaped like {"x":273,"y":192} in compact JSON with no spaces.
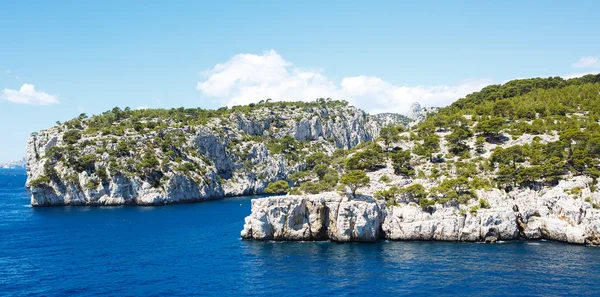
{"x":194,"y":249}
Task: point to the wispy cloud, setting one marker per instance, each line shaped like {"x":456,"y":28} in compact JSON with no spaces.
{"x":587,"y":62}
{"x":28,"y":95}
{"x":247,"y":78}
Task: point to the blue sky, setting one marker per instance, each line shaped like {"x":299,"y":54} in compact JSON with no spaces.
{"x":61,"y":58}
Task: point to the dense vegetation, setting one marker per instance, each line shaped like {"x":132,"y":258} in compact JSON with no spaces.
{"x":467,"y":146}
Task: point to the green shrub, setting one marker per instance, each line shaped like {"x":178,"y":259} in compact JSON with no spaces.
{"x":72,"y":178}
{"x":340,"y":153}
{"x":426,"y":203}
{"x":148,"y":161}
{"x":480,"y":145}
{"x":330,"y":177}
{"x":122,"y":148}
{"x":473,"y":210}
{"x":402,"y":164}
{"x":40,"y":181}
{"x":317,"y":159}
{"x":55,"y":153}
{"x":385,"y":179}
{"x":389,"y":134}
{"x":300,"y":176}
{"x":50,"y":171}
{"x":388,"y":195}
{"x":101,"y":172}
{"x":278,"y":187}
{"x":311,"y":188}
{"x":414,"y":192}
{"x":479,"y":183}
{"x":370,"y":159}
{"x":484,"y":203}
{"x":187,"y":167}
{"x":320,"y":170}
{"x":71,"y":136}
{"x":85,"y":163}
{"x":295,"y":191}
{"x":576,"y":191}
{"x":92,"y":184}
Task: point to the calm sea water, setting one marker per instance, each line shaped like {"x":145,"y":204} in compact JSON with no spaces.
{"x":194,"y":249}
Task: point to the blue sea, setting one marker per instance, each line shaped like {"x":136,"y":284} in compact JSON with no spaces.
{"x":195,"y":249}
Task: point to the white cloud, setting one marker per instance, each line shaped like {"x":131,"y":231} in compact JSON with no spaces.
{"x":80,"y":108}
{"x":28,"y":95}
{"x":142,"y":107}
{"x":376,"y":95}
{"x":247,"y":78}
{"x":587,"y":62}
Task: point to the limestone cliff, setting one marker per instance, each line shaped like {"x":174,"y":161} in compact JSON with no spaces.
{"x":319,"y":217}
{"x":152,"y":157}
{"x":550,"y":214}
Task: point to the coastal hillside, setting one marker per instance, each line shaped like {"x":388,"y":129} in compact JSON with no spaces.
{"x":147,"y":157}
{"x":518,"y":160}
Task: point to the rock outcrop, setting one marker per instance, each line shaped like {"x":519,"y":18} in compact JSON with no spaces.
{"x":549,"y":214}
{"x":418,"y":114}
{"x":319,"y":217}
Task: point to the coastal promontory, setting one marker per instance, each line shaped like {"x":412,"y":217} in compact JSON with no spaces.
{"x":155,"y":157}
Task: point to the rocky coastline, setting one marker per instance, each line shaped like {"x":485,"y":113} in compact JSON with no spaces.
{"x":525,"y":214}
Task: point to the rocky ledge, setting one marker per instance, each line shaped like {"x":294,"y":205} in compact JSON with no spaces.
{"x":317,"y":217}
{"x":329,"y":216}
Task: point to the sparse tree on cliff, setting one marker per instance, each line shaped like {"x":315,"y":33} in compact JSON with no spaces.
{"x":389,"y":135}
{"x":355,"y":179}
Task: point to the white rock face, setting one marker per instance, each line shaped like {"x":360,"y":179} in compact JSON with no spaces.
{"x":418,"y":113}
{"x":547,"y":214}
{"x":318,"y":217}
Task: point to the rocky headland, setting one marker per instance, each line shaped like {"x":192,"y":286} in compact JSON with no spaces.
{"x":155,"y":157}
